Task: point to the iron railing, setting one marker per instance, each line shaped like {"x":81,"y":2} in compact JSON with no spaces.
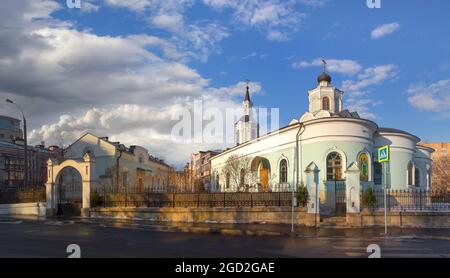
{"x":131,"y":198}
{"x":22,"y":195}
{"x":410,"y":200}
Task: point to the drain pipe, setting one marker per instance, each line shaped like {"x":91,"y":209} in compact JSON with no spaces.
{"x":297,"y":160}
{"x":299,"y":132}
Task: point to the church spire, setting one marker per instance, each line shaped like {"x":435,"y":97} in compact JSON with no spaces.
{"x":247,"y":93}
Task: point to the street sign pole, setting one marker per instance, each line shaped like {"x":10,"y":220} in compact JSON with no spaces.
{"x":385,"y":198}
{"x":383,"y":158}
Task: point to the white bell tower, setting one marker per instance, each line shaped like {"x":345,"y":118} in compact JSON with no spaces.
{"x":325,"y":97}
{"x":247,"y":128}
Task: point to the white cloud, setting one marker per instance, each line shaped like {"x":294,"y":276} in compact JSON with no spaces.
{"x":358,"y":91}
{"x":431,"y":98}
{"x":370,"y":76}
{"x":169,"y":22}
{"x":200,"y":39}
{"x":314,"y":3}
{"x":384,"y":30}
{"x":58,"y":74}
{"x":277,"y":19}
{"x":88,"y":7}
{"x":348,"y":67}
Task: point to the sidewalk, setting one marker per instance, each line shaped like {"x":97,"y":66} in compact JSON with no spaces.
{"x":283,"y":230}
{"x":270,"y":229}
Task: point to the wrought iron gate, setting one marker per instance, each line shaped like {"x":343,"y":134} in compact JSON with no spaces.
{"x":340,"y":199}
{"x":69,"y":194}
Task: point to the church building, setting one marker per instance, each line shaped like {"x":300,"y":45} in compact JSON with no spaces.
{"x":331,"y":139}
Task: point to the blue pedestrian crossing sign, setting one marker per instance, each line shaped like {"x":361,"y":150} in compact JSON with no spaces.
{"x":383,"y":154}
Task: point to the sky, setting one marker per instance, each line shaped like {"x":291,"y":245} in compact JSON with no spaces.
{"x":123,"y":68}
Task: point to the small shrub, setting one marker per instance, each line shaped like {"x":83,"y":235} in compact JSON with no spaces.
{"x":368,"y":199}
{"x":302,"y":195}
{"x":96,"y":199}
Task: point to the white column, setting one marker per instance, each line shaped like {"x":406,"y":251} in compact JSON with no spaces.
{"x":312,"y":183}
{"x":50,"y":194}
{"x":353,"y":189}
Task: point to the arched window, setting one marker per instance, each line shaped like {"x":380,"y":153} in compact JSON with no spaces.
{"x":363,"y":167}
{"x":334,"y":166}
{"x":417,"y":177}
{"x":326,"y":103}
{"x":283,"y":171}
{"x":227,"y":180}
{"x":217,"y":182}
{"x":410,"y":173}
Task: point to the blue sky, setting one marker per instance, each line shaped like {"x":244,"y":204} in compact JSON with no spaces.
{"x":393,"y":63}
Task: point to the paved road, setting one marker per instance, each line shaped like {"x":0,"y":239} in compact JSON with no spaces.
{"x":24,"y":238}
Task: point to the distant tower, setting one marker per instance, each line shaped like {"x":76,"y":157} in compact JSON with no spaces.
{"x":246,"y":128}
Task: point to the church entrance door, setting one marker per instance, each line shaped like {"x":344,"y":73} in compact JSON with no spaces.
{"x":264,"y":178}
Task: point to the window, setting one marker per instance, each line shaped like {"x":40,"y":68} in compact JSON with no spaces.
{"x":217,"y":182}
{"x":326,"y":103}
{"x":227,"y":181}
{"x":363,"y":167}
{"x":334,"y":166}
{"x":283,"y":171}
{"x":417,"y":177}
{"x":410,"y":173}
{"x":378,"y":173}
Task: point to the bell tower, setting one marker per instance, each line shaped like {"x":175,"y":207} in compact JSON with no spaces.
{"x":325,"y":97}
{"x":246,"y":128}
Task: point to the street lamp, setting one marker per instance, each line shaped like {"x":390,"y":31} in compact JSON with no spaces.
{"x":25,"y":157}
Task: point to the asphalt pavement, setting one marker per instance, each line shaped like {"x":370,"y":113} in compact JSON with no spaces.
{"x":114,"y":238}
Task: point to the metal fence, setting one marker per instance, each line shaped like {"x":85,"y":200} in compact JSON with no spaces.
{"x":22,"y":195}
{"x":410,"y":200}
{"x":127,"y":198}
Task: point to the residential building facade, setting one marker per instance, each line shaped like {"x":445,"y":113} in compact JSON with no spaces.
{"x":199,"y":169}
{"x":121,"y":167}
{"x":12,"y":163}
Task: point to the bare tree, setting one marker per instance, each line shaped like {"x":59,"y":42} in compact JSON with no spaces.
{"x":241,"y":177}
{"x":441,"y":174}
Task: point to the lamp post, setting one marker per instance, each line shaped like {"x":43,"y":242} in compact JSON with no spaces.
{"x":25,"y":148}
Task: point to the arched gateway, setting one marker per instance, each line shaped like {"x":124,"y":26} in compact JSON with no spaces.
{"x":85,"y":168}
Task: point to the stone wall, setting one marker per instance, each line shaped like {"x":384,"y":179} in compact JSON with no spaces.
{"x":274,"y":215}
{"x":400,"y":219}
{"x":36,"y":209}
